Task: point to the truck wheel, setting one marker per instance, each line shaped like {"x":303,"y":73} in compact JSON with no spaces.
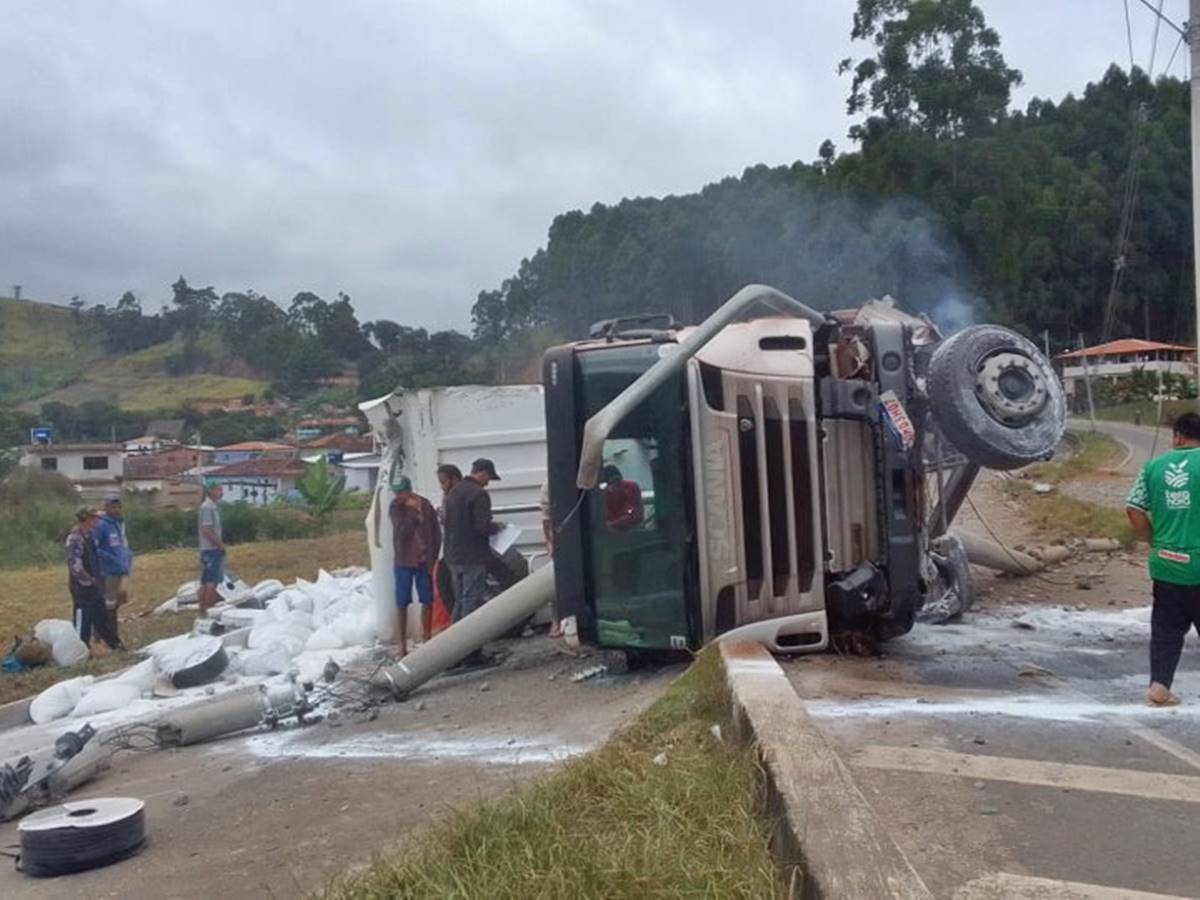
{"x":996,"y":397}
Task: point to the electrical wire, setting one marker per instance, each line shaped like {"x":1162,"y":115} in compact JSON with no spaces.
{"x":995,"y":537}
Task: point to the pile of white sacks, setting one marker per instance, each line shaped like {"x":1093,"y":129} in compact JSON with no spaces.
{"x":333,"y":612}
{"x":305,"y":620}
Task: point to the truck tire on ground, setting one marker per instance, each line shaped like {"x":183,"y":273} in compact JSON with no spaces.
{"x":996,"y":398}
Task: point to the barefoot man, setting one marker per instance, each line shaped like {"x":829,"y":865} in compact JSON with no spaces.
{"x":416,"y":540}
{"x":1164,"y":510}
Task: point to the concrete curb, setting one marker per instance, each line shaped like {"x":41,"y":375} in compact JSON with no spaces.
{"x":822,"y":822}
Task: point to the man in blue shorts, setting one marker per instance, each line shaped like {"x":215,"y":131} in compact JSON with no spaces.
{"x":212,"y":545}
{"x":416,"y":542}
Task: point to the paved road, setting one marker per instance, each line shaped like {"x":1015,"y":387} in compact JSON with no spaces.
{"x":279,"y":814}
{"x":1140,"y":441}
{"x":1010,"y":762}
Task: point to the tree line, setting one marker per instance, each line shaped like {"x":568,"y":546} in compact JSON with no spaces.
{"x":948,"y":200}
{"x":296,"y":347}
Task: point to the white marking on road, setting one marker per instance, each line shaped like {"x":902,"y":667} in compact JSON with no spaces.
{"x":1127,"y":782}
{"x":1005,"y":886}
{"x":1039,"y":707}
{"x":1164,"y":743}
{"x":485,"y":749}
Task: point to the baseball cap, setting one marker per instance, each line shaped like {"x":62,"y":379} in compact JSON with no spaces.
{"x":83,"y":512}
{"x":402,"y":483}
{"x":112,"y":497}
{"x":485,"y":465}
{"x":210,"y":483}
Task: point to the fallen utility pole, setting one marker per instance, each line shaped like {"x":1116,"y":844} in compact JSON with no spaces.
{"x":492,"y":620}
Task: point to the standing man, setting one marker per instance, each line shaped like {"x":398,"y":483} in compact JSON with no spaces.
{"x":416,"y":542}
{"x":469,"y":527}
{"x":84,"y":582}
{"x":116,"y":559}
{"x":212,"y":545}
{"x":1164,"y":510}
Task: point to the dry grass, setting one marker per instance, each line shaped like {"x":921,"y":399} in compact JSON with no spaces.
{"x":31,"y":594}
{"x":611,"y":824}
{"x":1090,"y":451}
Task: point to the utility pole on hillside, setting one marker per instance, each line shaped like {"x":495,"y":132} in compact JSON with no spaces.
{"x":1193,"y":39}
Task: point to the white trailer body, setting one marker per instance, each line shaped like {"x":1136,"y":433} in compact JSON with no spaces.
{"x":424,"y":428}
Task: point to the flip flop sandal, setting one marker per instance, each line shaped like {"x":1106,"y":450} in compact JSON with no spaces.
{"x":1171,"y":700}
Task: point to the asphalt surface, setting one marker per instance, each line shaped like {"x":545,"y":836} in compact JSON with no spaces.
{"x":1141,"y":442}
{"x":281,"y":813}
{"x":1022,"y":762}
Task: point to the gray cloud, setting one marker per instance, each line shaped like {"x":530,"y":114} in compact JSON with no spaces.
{"x":410,"y":154}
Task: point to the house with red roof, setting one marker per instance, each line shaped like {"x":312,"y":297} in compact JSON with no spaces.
{"x":1121,"y":358}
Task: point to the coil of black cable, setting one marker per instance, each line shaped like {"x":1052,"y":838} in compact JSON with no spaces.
{"x":81,"y":835}
{"x":208,"y":669}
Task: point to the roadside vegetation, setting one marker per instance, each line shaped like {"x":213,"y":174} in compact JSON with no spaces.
{"x":1060,"y":515}
{"x":39,"y":510}
{"x":612,"y":823}
{"x":1088,"y":452}
{"x":30,"y":594}
{"x":1145,"y":412}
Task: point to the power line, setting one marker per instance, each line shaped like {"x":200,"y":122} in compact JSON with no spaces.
{"x":1157,"y":12}
{"x":1154,"y":40}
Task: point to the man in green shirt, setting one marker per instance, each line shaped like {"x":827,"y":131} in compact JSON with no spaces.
{"x":1164,"y":510}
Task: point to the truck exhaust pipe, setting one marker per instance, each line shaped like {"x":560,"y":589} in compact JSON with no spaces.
{"x":599,"y":426}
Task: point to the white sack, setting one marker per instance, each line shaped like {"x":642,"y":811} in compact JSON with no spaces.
{"x":50,"y":630}
{"x":274,"y":659}
{"x":105,"y":697}
{"x":69,"y":650}
{"x":267,"y":589}
{"x":59,"y":699}
{"x":324,"y":639}
{"x":142,"y":676}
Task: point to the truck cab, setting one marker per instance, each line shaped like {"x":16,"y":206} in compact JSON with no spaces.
{"x":776,"y":484}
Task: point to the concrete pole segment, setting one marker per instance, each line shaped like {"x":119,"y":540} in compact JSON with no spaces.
{"x":496,"y":617}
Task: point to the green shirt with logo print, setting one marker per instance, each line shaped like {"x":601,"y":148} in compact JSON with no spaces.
{"x":1168,"y":491}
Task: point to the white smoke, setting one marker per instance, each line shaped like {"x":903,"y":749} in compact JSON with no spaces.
{"x":952,"y":313}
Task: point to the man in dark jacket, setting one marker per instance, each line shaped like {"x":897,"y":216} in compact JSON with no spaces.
{"x":84,"y":581}
{"x":469,"y":527}
{"x":416,"y":540}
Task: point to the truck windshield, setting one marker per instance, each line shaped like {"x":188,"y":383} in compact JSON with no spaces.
{"x":638,"y":544}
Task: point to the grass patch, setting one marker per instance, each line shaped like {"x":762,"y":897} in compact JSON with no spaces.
{"x":1089,"y":451}
{"x":39,"y":510}
{"x":612,"y":823}
{"x":1059,"y":517}
{"x":1145,"y":412}
{"x":31,"y":594}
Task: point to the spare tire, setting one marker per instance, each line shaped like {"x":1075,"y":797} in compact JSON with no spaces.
{"x":996,"y":398}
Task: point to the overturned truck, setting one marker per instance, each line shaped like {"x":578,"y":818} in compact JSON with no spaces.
{"x":797,"y":472}
{"x":776,"y":473}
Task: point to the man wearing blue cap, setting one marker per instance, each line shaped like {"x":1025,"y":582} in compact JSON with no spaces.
{"x":212,"y":545}
{"x":416,"y":542}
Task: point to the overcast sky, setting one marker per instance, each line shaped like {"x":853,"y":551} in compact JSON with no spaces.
{"x":411,"y":153}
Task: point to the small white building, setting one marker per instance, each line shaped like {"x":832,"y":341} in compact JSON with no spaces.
{"x":93,"y":468}
{"x":361,"y":471}
{"x":258,"y":481}
{"x":1118,"y":359}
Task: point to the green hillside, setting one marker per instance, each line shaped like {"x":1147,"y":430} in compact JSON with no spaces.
{"x":46,"y":354}
{"x":42,"y":348}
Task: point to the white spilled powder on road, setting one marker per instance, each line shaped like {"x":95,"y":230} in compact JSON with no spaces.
{"x":1042,"y":708}
{"x":1089,"y":631}
{"x":301,"y":743}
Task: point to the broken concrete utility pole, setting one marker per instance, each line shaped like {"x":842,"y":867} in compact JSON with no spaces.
{"x":495,"y":618}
